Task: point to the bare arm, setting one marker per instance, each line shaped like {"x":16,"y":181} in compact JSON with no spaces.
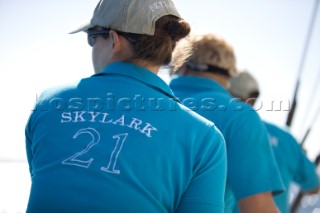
{"x":262,"y":203}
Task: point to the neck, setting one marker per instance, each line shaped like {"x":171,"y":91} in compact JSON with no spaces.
{"x":148,"y":66}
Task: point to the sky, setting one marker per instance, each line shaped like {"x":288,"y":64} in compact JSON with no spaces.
{"x":268,"y":37}
{"x":37,"y":52}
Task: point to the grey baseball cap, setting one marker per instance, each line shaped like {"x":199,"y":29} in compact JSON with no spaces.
{"x":131,"y":16}
{"x":243,"y":84}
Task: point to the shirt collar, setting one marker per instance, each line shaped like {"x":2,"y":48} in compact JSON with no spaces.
{"x":197,"y":84}
{"x":138,"y":73}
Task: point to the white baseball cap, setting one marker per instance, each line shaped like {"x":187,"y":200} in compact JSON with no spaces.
{"x":243,"y":85}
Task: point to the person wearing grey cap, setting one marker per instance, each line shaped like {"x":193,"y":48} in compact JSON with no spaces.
{"x":293,"y":164}
{"x":119,"y":141}
{"x":202,"y":83}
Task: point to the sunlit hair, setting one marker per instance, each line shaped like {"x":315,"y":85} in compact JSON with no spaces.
{"x":158,"y":49}
{"x":213,"y":50}
{"x":181,"y":54}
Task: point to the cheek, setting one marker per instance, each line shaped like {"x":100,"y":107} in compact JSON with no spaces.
{"x":101,"y":55}
{"x":94,"y":58}
{"x":98,"y":58}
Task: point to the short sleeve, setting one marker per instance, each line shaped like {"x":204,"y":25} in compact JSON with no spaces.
{"x":205,"y":192}
{"x":252,"y":168}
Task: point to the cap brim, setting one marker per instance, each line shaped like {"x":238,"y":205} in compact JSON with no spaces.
{"x":83,"y":28}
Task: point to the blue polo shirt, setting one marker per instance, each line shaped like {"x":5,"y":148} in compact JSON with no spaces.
{"x":118,"y":141}
{"x":293,"y":164}
{"x":251,"y":164}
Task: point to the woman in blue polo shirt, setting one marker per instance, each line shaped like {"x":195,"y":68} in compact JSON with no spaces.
{"x":119,"y":141}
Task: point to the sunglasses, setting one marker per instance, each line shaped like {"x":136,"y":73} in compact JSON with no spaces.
{"x":92,"y":33}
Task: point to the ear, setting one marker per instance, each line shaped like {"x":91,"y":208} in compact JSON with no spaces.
{"x":117,"y":43}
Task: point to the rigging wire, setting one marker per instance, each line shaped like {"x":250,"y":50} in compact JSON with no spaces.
{"x":315,"y":118}
{"x":298,"y":199}
{"x":302,"y":62}
{"x":308,"y":39}
{"x":311,"y":99}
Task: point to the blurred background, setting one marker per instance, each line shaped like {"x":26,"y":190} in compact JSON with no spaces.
{"x":275,"y":40}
